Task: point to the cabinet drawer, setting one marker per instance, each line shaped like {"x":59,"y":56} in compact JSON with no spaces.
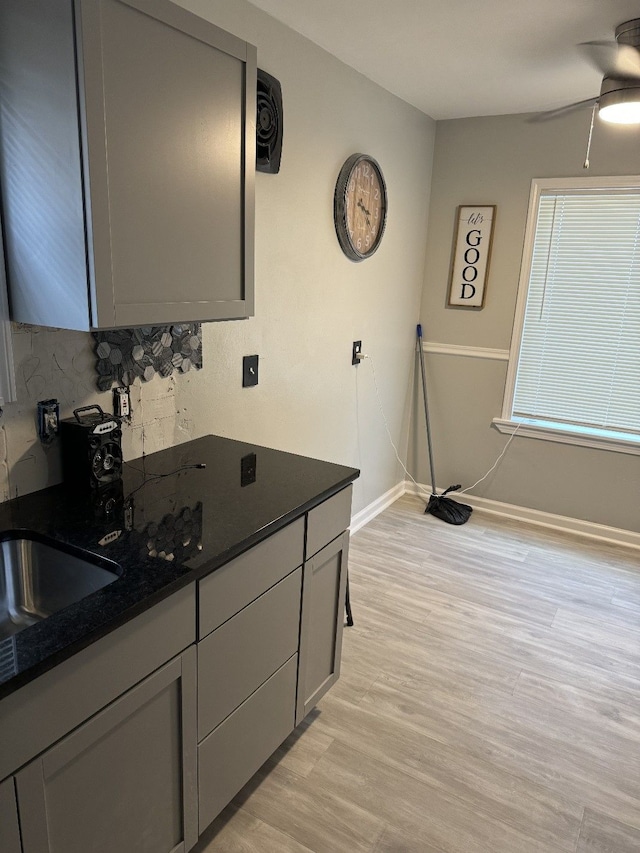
{"x":239,"y":656}
{"x":229,"y":757}
{"x":230,"y":588}
{"x":328,"y":520}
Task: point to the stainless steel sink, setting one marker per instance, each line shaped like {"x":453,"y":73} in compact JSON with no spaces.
{"x":39,"y":577}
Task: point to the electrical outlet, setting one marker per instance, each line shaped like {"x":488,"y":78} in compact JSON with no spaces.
{"x":355,"y":352}
{"x":48,"y":420}
{"x":249,"y":371}
{"x":121,"y":403}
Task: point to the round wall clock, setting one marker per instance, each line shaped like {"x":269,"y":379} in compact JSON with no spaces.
{"x":360,"y":207}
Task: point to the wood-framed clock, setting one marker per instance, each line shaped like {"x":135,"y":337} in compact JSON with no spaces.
{"x":360,"y":206}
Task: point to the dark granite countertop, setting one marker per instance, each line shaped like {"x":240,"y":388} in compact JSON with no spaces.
{"x":169,"y":523}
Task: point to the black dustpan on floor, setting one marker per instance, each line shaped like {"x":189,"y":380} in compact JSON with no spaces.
{"x":442,"y":507}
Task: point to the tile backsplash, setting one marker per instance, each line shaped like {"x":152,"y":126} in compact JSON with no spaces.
{"x":62,"y":364}
{"x":124,"y":355}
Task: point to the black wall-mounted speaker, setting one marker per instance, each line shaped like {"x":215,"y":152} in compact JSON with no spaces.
{"x":269,"y":122}
{"x":91,"y":449}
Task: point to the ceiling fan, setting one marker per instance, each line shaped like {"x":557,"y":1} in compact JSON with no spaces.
{"x":619,"y":61}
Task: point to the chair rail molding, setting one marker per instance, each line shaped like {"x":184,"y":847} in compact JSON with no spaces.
{"x":491,"y":353}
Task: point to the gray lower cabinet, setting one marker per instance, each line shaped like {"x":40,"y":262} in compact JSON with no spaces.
{"x":127,"y":158}
{"x":123,"y":781}
{"x":117,"y":760}
{"x":9,"y":827}
{"x":323,"y":594}
{"x":247,"y":665}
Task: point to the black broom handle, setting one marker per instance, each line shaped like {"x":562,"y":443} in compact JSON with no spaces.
{"x":426,"y":409}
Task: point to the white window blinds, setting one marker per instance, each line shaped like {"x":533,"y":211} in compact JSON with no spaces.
{"x":579,"y":359}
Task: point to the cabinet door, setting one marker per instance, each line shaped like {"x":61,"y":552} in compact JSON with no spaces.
{"x":169,"y":128}
{"x":41,"y":165}
{"x":324,"y":582}
{"x":127,"y":168}
{"x":9,"y":829}
{"x":123,"y":781}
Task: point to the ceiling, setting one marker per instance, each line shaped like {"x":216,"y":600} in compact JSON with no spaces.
{"x":456,"y":58}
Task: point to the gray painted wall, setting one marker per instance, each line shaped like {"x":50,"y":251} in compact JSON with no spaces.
{"x":492,"y":160}
{"x":311,"y":301}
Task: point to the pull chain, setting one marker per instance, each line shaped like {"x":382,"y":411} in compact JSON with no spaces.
{"x":585,"y":165}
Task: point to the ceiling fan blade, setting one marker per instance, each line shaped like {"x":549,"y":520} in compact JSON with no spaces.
{"x":561,"y":111}
{"x":621,"y":61}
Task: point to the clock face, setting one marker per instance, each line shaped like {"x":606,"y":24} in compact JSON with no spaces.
{"x":360,"y":207}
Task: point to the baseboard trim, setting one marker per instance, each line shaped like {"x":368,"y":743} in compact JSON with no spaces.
{"x":601,"y":532}
{"x":369,"y":512}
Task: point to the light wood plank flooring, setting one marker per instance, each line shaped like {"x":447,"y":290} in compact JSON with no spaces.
{"x":489,"y":702}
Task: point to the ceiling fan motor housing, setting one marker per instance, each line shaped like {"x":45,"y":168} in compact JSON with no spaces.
{"x":620,"y":90}
{"x":629,"y":33}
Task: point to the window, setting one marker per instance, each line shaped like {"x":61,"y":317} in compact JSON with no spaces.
{"x":574,"y":365}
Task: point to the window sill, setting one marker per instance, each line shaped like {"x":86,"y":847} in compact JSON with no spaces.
{"x":598,"y":439}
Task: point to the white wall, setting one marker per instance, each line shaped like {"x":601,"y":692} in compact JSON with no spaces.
{"x":492,"y":160}
{"x":311,"y":301}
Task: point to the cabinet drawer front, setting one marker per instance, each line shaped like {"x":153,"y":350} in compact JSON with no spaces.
{"x":246,"y":650}
{"x":232,"y":587}
{"x":229,"y":757}
{"x":328,"y":520}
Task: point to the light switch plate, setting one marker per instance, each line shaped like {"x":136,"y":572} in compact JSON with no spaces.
{"x":249,"y":371}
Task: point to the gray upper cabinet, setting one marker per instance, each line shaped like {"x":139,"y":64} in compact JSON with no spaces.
{"x":127,"y":152}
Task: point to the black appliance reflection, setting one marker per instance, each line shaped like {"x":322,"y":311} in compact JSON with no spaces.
{"x":159,"y":514}
{"x":177,"y":536}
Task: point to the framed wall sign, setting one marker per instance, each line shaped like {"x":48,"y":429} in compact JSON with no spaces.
{"x":471,"y":254}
